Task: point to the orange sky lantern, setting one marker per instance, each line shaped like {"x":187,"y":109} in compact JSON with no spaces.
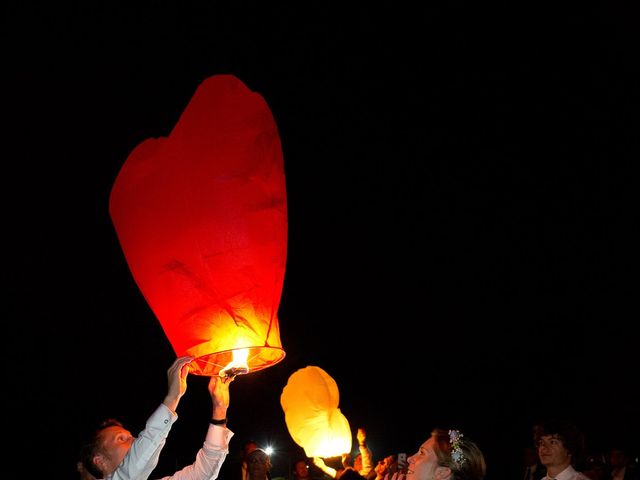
{"x":201,"y":217}
{"x":310,"y":402}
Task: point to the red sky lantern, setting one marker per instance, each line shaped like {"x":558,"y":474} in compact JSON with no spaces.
{"x":201,"y":217}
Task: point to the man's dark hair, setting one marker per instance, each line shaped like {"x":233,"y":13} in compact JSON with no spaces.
{"x":93,"y":445}
{"x":570,"y":436}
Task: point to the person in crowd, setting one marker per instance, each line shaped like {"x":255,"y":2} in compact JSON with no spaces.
{"x":391,"y":464}
{"x":561,"y":449}
{"x":385,"y":468}
{"x":447,"y":455}
{"x":363,"y":462}
{"x":113,"y":453}
{"x":301,"y":470}
{"x":621,"y":467}
{"x":256,"y":464}
{"x":596,"y":467}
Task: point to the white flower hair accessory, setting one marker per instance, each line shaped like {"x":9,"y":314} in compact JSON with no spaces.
{"x":456,"y":452}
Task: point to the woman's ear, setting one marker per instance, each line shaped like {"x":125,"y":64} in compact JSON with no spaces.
{"x":442,"y":473}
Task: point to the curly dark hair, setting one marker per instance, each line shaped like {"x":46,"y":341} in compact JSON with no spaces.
{"x":571,"y":437}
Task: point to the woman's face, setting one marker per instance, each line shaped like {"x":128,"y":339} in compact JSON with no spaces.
{"x":424,"y":464}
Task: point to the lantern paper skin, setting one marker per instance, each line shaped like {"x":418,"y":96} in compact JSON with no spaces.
{"x":201,"y":217}
{"x":310,"y":402}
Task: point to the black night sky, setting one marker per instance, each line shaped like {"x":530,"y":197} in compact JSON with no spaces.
{"x":462,"y":185}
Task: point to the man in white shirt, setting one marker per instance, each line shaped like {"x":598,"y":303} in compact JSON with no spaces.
{"x":560,"y":447}
{"x":114,"y":454}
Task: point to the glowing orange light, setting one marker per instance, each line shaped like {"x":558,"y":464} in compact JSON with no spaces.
{"x":201,"y":217}
{"x":238,"y":365}
{"x":310,"y":403}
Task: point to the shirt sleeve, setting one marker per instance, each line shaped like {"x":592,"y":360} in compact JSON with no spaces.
{"x":367,"y":460}
{"x":143,"y":455}
{"x":209,"y":458}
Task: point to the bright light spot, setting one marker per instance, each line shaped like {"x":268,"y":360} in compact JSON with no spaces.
{"x":269,"y":450}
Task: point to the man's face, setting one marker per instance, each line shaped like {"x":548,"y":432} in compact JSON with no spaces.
{"x":302,"y":470}
{"x":116,"y":442}
{"x":552,"y":452}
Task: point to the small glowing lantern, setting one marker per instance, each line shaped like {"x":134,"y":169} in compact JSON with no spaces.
{"x":310,"y":402}
{"x":201,"y":217}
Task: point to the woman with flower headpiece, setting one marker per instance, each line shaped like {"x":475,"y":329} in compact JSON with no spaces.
{"x":447,"y":455}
